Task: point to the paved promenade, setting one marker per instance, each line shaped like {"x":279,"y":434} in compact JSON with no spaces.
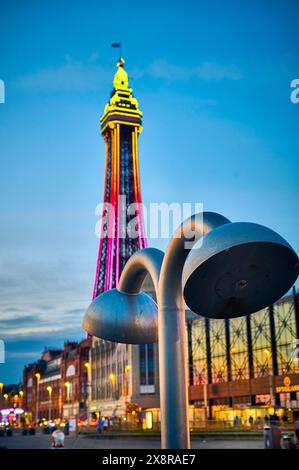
{"x":41,"y":441}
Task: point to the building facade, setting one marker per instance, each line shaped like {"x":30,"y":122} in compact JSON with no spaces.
{"x":246,"y":365}
{"x":121,"y":375}
{"x":57,"y":386}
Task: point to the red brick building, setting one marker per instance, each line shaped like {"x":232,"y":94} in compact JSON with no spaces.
{"x":75,"y":378}
{"x":56,"y":386}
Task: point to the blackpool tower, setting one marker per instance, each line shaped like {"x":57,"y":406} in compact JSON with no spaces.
{"x":121,"y":374}
{"x":121,"y":233}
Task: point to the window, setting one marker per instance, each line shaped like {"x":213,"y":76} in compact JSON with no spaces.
{"x":70,"y":371}
{"x":147,"y":364}
{"x":239,"y":348}
{"x":199,"y":352}
{"x":218,"y":350}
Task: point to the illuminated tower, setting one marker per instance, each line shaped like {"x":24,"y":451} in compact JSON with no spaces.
{"x":121,"y":374}
{"x":120,"y":125}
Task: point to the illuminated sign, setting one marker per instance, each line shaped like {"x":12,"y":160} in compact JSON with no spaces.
{"x":8,"y":411}
{"x":287,"y":387}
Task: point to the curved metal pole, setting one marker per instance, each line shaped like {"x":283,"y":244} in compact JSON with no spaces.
{"x":166,"y":274}
{"x":172,"y":330}
{"x":141,"y":263}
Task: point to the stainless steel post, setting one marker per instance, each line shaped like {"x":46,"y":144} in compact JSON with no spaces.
{"x":172,"y":330}
{"x":171,"y":320}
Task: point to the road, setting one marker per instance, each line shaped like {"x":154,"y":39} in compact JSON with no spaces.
{"x":41,"y":441}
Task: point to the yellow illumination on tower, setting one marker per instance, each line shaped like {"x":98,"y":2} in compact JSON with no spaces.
{"x":122,"y":107}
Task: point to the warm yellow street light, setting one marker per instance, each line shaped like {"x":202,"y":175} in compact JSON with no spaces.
{"x":87,"y":366}
{"x":21,"y":393}
{"x":68,"y":386}
{"x":5,"y":396}
{"x":112,"y":378}
{"x":37,"y":375}
{"x":127,"y":370}
{"x":268,"y":354}
{"x":50,"y":389}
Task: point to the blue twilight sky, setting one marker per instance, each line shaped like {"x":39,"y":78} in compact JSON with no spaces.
{"x":213,"y":80}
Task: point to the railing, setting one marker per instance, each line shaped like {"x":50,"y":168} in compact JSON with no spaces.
{"x":195,"y":426}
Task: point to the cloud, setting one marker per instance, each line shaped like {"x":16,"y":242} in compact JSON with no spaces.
{"x":71,"y":76}
{"x":7,"y":321}
{"x":206,"y":71}
{"x":164,"y":70}
{"x":90,"y":75}
{"x":32,"y":330}
{"x":213,"y":71}
{"x":42,"y":299}
{"x":23,"y":354}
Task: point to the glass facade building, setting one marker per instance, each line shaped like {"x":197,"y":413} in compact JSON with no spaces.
{"x":247,"y":361}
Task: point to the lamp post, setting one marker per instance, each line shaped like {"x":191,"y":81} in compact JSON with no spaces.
{"x":67,"y":386}
{"x":37,"y":376}
{"x":1,"y":391}
{"x":50,"y":389}
{"x":112,"y":380}
{"x":88,"y":385}
{"x":127,"y":372}
{"x":239,"y":269}
{"x":268,"y":355}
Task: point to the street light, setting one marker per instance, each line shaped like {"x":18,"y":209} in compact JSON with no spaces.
{"x":68,"y":386}
{"x":239,"y":269}
{"x":50,"y":389}
{"x":112,"y":379}
{"x":127,"y":371}
{"x":87,"y":366}
{"x":37,"y":376}
{"x":268,"y":355}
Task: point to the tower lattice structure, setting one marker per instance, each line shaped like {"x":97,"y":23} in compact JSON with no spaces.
{"x":122,"y":233}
